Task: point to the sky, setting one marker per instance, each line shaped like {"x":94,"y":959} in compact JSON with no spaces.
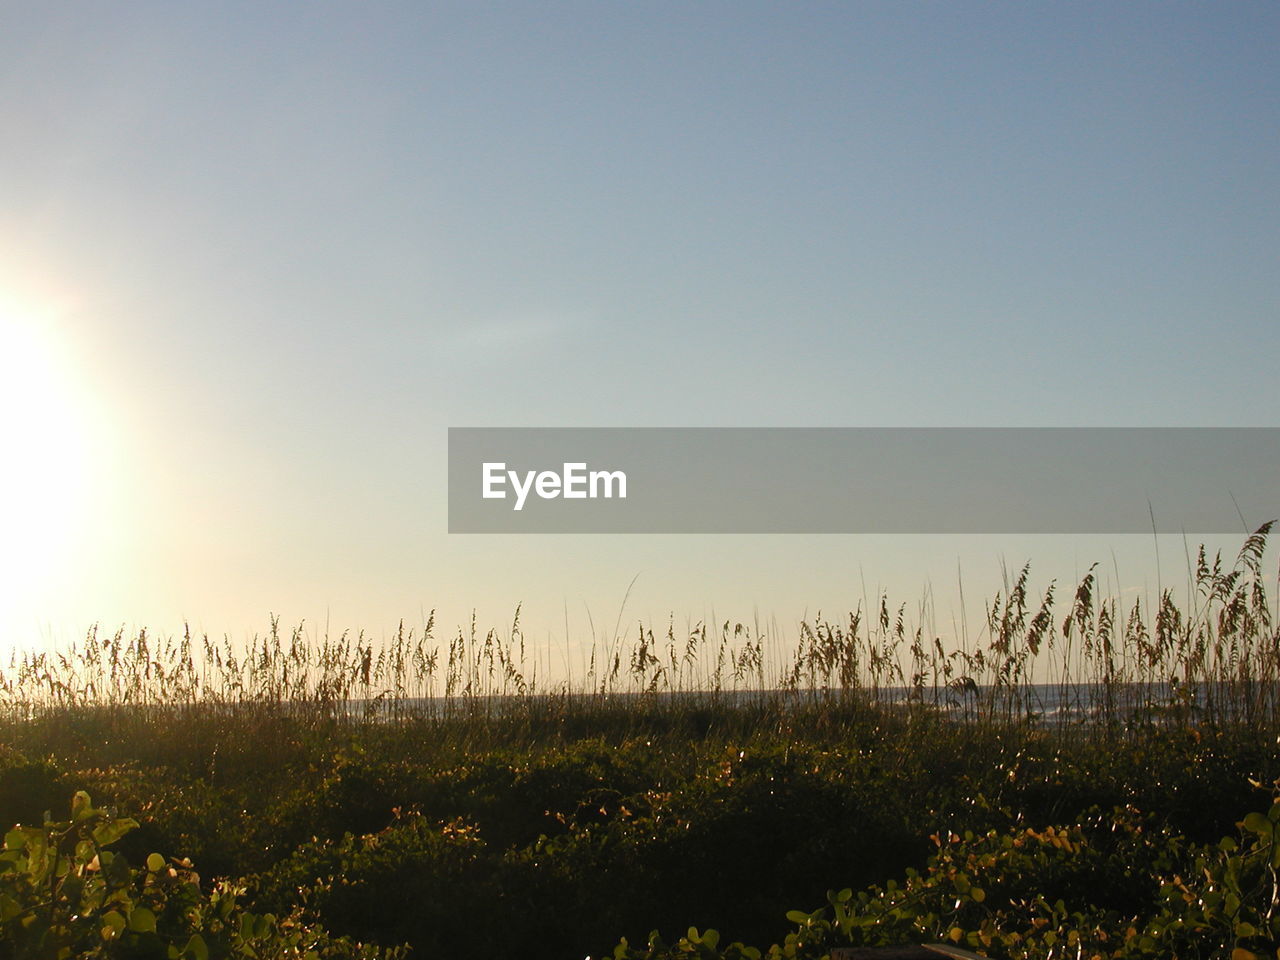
{"x":255,"y":260}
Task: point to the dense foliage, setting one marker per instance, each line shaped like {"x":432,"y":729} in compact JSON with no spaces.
{"x":330,"y":786}
{"x":65,"y":893}
{"x":553,"y":845}
{"x":1109,"y":887}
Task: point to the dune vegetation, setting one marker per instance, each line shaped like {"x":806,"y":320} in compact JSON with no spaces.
{"x":1081,"y":779}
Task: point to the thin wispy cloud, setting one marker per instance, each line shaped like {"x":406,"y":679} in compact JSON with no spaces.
{"x":515,"y":332}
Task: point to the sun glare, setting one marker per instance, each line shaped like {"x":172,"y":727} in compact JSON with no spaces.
{"x":43,"y":456}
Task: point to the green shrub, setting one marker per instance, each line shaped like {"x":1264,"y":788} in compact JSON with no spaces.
{"x":415,"y":880}
{"x":64,"y":894}
{"x":28,"y":789}
{"x":1110,"y":888}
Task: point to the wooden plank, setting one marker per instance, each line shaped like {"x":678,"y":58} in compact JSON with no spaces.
{"x":924,"y":951}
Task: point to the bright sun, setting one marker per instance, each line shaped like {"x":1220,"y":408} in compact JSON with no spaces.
{"x":43,"y":466}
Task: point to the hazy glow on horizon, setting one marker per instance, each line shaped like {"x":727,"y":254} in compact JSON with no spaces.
{"x":258,"y":259}
{"x":44,"y":446}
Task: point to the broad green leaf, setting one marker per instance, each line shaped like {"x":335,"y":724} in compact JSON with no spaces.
{"x":81,"y":807}
{"x":9,"y":907}
{"x":1259,"y":824}
{"x":112,"y":925}
{"x":196,"y":948}
{"x":71,"y":888}
{"x":108,"y":832}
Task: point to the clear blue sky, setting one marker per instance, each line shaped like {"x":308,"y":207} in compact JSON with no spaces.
{"x":261,"y":257}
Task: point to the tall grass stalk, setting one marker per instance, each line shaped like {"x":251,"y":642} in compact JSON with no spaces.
{"x":1089,"y":663}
